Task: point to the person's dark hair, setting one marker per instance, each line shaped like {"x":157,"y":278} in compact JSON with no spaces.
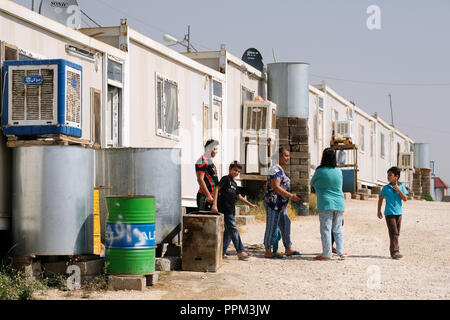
{"x":328,"y":158}
{"x":395,"y":171}
{"x":211,"y":143}
{"x":282,"y":150}
{"x":235,"y":164}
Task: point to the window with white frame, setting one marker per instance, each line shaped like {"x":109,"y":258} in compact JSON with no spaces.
{"x":217,"y":89}
{"x":246,"y":94}
{"x":321,"y":102}
{"x":349,"y":113}
{"x":114,"y":71}
{"x":336,"y":115}
{"x":316,"y":128}
{"x":167,"y":108}
{"x":382,"y":146}
{"x":371,"y":145}
{"x":361,"y":137}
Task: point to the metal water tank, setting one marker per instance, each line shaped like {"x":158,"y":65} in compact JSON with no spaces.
{"x":52,"y":200}
{"x":143,"y":171}
{"x":288,"y":87}
{"x":422,"y":155}
{"x":5,"y":185}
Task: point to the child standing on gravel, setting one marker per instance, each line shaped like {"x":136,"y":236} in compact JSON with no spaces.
{"x":225,"y":196}
{"x":394,"y":193}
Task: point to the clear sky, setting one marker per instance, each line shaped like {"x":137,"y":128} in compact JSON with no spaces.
{"x":412,"y":47}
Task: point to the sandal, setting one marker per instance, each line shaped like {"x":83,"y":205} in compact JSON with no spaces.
{"x":320,"y":258}
{"x":275,"y":256}
{"x":244,"y":256}
{"x":295,"y":253}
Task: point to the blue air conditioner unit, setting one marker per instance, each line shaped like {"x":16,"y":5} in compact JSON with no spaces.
{"x":42,"y":97}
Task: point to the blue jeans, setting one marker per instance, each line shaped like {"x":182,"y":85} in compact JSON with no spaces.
{"x":331,"y":222}
{"x":231,"y":233}
{"x":273,"y":219}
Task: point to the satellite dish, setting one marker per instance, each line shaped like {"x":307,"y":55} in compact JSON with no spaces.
{"x":66,"y":12}
{"x":254,"y":58}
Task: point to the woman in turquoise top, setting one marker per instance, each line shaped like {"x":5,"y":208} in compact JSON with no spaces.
{"x":327,"y":181}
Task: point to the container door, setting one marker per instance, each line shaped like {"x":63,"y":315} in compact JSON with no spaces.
{"x":320,"y":125}
{"x":439,"y":194}
{"x":96,"y":107}
{"x":217,"y":134}
{"x":112,"y":118}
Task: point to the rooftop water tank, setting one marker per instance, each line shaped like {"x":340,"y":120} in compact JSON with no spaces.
{"x":288,"y":88}
{"x":421,"y":155}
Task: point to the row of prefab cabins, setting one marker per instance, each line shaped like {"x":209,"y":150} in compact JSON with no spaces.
{"x":140,"y":93}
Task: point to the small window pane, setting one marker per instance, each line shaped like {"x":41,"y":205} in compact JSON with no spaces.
{"x":217,"y":89}
{"x":23,"y":57}
{"x":171,"y":114}
{"x":159,"y":104}
{"x":320,"y":102}
{"x":114,"y":71}
{"x":361,"y":137}
{"x":246,"y":95}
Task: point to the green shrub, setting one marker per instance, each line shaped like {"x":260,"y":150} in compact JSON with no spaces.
{"x":313,"y":204}
{"x":426,"y":197}
{"x":14,"y":285}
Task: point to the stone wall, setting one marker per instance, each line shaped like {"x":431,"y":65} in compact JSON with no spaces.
{"x":421,"y":181}
{"x":417,"y":183}
{"x":426,"y":180}
{"x":294,"y":133}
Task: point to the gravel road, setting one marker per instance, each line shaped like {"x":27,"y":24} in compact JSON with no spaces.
{"x":367,"y":273}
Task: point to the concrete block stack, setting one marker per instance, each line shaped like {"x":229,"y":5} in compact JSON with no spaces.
{"x":294,"y":133}
{"x":417,"y":183}
{"x":426,"y":180}
{"x":376,"y":190}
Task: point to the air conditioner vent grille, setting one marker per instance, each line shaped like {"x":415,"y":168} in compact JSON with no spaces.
{"x":18,"y":95}
{"x":47,"y":94}
{"x":32,"y":97}
{"x":32,"y":101}
{"x":73,"y":97}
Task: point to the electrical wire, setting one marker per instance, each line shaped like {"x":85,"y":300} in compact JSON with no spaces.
{"x":385,"y":83}
{"x":98,"y":25}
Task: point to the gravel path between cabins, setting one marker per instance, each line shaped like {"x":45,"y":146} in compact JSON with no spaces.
{"x":367,"y":273}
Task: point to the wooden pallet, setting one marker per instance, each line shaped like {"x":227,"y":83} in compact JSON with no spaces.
{"x":48,"y":139}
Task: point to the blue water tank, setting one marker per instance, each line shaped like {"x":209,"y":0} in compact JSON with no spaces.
{"x":42,"y":97}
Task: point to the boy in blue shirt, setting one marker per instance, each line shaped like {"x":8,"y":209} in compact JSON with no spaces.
{"x":394,"y":193}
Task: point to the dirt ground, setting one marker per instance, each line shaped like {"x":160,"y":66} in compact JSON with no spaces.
{"x":367,"y":273}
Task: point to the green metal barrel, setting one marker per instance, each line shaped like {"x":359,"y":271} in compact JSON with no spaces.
{"x":131,"y":209}
{"x":130,"y":234}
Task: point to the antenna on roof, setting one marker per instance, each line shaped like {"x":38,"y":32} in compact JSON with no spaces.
{"x":186,"y":41}
{"x":392,"y":114}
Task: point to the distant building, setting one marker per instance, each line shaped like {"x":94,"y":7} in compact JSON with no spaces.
{"x":440,"y":189}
